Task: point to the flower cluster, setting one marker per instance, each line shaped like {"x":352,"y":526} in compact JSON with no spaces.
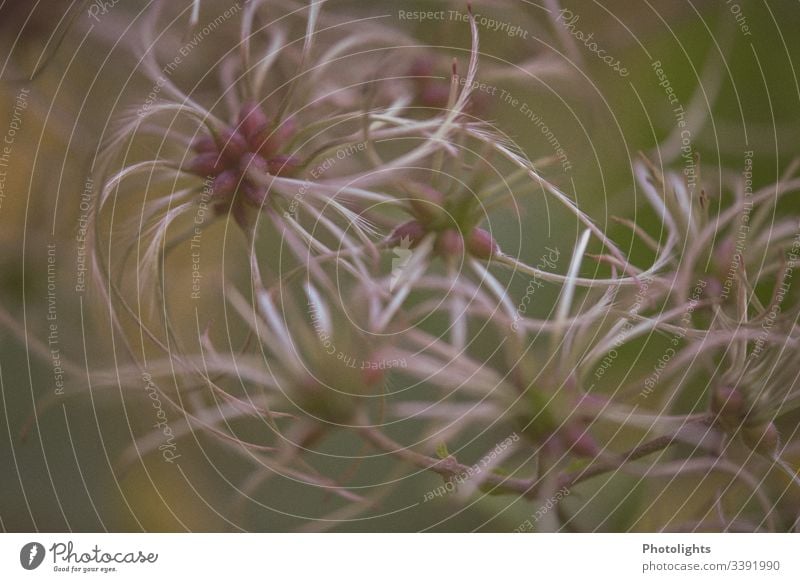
{"x":373,"y":286}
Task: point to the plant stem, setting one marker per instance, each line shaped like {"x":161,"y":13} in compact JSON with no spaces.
{"x":634,"y":454}
{"x":448,"y":467}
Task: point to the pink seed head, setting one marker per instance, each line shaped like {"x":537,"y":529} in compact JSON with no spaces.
{"x":728,"y":402}
{"x":579,"y":441}
{"x":252,"y":120}
{"x":411,"y":230}
{"x":481,"y":245}
{"x":450,"y":243}
{"x":232,"y":144}
{"x":204,"y":144}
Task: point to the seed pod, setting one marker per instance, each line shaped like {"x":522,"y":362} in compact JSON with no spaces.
{"x":204,"y":144}
{"x":728,"y":403}
{"x":481,"y":245}
{"x":411,"y":230}
{"x":763,"y":438}
{"x":252,"y":120}
{"x":209,"y":164}
{"x":253,"y":162}
{"x":578,"y":441}
{"x":286,"y":130}
{"x":232,"y":144}
{"x":270,"y":140}
{"x":265,"y":142}
{"x":450,"y":243}
{"x":225,"y":184}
